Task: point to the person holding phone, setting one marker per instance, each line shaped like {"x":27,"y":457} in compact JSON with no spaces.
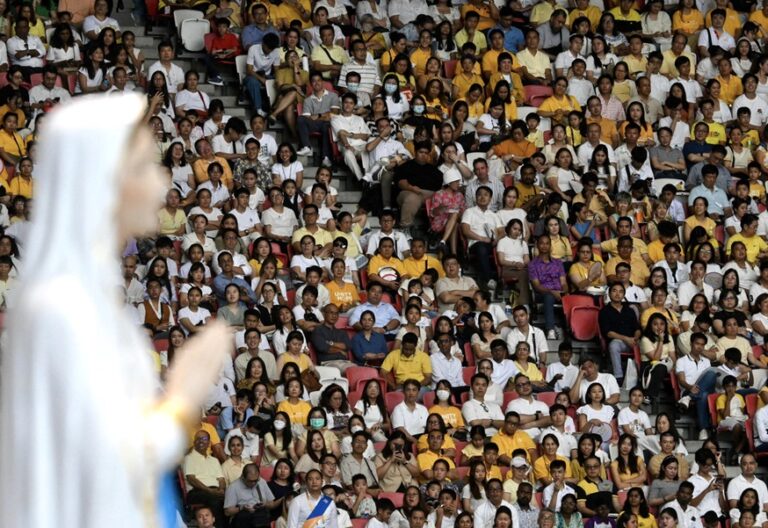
{"x":248,"y":500}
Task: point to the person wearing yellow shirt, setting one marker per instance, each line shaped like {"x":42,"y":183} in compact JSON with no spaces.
{"x":434,"y":453}
{"x":490,"y":63}
{"x":511,"y":438}
{"x":584,"y":9}
{"x":730,"y":85}
{"x":12,"y":147}
{"x":422,"y":53}
{"x":559,"y":104}
{"x":678,"y":49}
{"x":407,"y":363}
{"x":296,"y":408}
{"x":286,"y":12}
{"x":472,"y":33}
{"x":474,"y":100}
{"x":384,"y":258}
{"x":760,"y":17}
{"x":464,"y":80}
{"x":627,"y":18}
{"x":639,"y":271}
{"x":418,"y":262}
{"x":399,"y":45}
{"x":687,"y":20}
{"x":506,"y":65}
{"x":542,"y":12}
{"x":757,"y":248}
{"x":535,"y":66}
{"x":487,"y":12}
{"x":541,"y":473}
{"x":716,"y":132}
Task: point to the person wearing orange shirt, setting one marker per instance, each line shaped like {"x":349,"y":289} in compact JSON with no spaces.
{"x":514,"y":150}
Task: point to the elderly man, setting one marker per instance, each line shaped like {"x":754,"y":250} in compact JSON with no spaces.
{"x":248,"y":500}
{"x":204,"y":477}
{"x":485,"y":512}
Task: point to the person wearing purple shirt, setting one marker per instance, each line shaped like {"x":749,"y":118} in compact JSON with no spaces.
{"x":547,"y":277}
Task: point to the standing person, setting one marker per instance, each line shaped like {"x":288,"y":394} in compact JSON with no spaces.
{"x":126,"y":207}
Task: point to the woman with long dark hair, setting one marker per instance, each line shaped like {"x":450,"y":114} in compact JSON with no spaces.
{"x":396,"y":469}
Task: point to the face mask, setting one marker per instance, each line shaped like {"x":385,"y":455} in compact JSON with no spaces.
{"x":443,"y":395}
{"x":352,"y":87}
{"x":279,"y":425}
{"x":356,"y":429}
{"x":250,"y":436}
{"x":316,"y":423}
{"x":390,"y":88}
{"x":418,"y":109}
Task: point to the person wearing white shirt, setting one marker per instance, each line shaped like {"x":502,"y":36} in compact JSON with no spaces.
{"x":584,"y":153}
{"x":303,"y":504}
{"x":524,"y":331}
{"x":716,"y":35}
{"x":695,"y":284}
{"x":408,"y":416}
{"x":247,"y":219}
{"x":478,"y":411}
{"x":588,"y":374}
{"x":760,"y":428}
{"x":445,"y":365}
{"x":387,"y":223}
{"x":504,"y":369}
{"x":747,"y":480}
{"x":384,"y":146}
{"x":261,"y":61}
{"x":481,"y":226}
{"x":758,"y":106}
{"x":485,"y":512}
{"x":687,"y":516}
{"x":708,"y":493}
{"x":351,"y":134}
{"x":533,"y":414}
{"x":267,"y":143}
{"x":562,"y":373}
{"x":47,"y":92}
{"x":25,"y":50}
{"x":565,"y":58}
{"x":174,"y":75}
{"x":402,"y":15}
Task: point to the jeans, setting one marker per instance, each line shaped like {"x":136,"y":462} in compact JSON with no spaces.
{"x":706,"y":384}
{"x":305,"y":126}
{"x":549,"y":309}
{"x":615,"y":349}
{"x":254,"y":88}
{"x":483,"y":251}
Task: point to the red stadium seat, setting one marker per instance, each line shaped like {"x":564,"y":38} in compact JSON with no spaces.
{"x":584,"y":325}
{"x":395,"y":497}
{"x":355,"y":374}
{"x":573,"y":300}
{"x":393,"y":399}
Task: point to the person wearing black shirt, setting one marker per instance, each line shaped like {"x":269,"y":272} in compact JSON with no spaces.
{"x":417,"y":180}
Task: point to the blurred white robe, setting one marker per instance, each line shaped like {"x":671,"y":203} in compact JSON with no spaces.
{"x":82,"y":439}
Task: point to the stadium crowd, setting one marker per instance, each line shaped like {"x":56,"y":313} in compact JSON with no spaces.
{"x":598,"y":165}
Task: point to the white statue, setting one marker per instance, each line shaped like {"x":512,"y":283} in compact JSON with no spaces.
{"x":83,"y":431}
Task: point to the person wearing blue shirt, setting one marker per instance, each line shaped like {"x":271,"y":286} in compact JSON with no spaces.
{"x":227,"y":277}
{"x":513,"y":37}
{"x":254,"y":32}
{"x":387,"y":320}
{"x":718,"y":203}
{"x":368,"y":345}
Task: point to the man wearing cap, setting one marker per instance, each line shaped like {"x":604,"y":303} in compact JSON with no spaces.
{"x":520,"y":469}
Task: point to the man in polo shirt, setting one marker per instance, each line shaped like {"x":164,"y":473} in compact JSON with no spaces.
{"x":716,"y":35}
{"x":316,"y":117}
{"x":618,"y":323}
{"x":407,"y":363}
{"x":387,"y":229}
{"x":482,"y":227}
{"x":609,"y":135}
{"x":535,"y":65}
{"x":323,"y":239}
{"x":370,"y":84}
{"x":244,"y":496}
{"x":756,"y":247}
{"x":433,"y":453}
{"x":484,"y":178}
{"x":204,"y":476}
{"x":678,"y":49}
{"x":419,"y":261}
{"x":351,"y":134}
{"x":625,"y":247}
{"x":593,"y":490}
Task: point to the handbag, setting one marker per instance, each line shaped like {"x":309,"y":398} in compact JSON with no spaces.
{"x":310,"y":380}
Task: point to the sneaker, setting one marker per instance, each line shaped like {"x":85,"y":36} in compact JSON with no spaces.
{"x":703,"y":434}
{"x":492,"y":285}
{"x":326,"y":162}
{"x":216,"y":80}
{"x":646,"y":400}
{"x":551,"y":335}
{"x":683,"y":403}
{"x":262,"y":113}
{"x":304,"y":151}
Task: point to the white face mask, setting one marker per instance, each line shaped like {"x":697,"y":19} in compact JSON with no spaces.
{"x":279,"y":425}
{"x":356,"y":429}
{"x":251,"y":436}
{"x":443,"y":395}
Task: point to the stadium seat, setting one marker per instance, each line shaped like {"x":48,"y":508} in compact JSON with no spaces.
{"x":584,"y":324}
{"x":355,"y":374}
{"x":393,"y":399}
{"x":395,"y":497}
{"x":193,"y":33}
{"x":180,"y":15}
